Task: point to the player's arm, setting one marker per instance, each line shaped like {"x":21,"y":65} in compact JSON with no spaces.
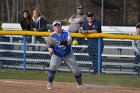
{"x":68,"y":41}
{"x":50,"y":48}
{"x":51,"y":51}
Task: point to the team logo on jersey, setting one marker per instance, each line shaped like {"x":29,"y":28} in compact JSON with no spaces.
{"x":62,"y":47}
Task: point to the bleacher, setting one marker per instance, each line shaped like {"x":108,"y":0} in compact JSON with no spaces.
{"x":117,"y":56}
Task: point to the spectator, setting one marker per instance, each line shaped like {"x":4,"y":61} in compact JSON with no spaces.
{"x":25,"y":22}
{"x":76,"y":20}
{"x":38,"y":23}
{"x":92,"y":26}
{"x":136,"y":46}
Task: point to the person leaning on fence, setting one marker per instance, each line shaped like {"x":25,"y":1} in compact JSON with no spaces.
{"x":25,"y":22}
{"x":76,"y":20}
{"x":62,"y":52}
{"x":136,"y":46}
{"x":89,"y":27}
{"x":38,"y":23}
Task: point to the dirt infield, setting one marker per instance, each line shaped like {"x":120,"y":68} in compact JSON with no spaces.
{"x":35,"y":86}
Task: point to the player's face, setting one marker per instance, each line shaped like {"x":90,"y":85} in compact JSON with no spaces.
{"x":57,"y":28}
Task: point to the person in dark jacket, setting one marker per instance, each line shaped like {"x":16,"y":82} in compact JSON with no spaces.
{"x":25,"y":22}
{"x":93,"y":26}
{"x":38,"y":23}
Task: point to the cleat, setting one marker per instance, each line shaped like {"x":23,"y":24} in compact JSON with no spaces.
{"x":81,"y":86}
{"x":49,"y":86}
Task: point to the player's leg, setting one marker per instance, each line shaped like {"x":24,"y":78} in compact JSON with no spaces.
{"x":71,"y":62}
{"x":54,"y":65}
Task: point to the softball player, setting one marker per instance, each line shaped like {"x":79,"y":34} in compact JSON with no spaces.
{"x":62,"y":52}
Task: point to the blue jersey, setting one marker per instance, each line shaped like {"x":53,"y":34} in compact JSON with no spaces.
{"x":61,"y":50}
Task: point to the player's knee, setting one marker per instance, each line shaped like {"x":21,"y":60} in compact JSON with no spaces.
{"x":52,"y":67}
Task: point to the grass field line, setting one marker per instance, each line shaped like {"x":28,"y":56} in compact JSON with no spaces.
{"x":8,"y":81}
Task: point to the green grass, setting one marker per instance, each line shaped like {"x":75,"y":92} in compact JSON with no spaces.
{"x":103,"y":79}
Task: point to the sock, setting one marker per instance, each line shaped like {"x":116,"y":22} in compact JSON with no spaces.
{"x":79,"y":79}
{"x":51,"y":75}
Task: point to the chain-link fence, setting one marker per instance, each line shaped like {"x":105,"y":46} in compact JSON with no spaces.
{"x":117,"y":57}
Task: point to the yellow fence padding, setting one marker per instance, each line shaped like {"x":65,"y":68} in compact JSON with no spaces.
{"x":78,"y":35}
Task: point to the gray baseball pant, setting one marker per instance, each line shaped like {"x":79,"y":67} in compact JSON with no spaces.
{"x":70,"y":60}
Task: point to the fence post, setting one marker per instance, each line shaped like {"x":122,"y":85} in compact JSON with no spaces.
{"x":99,"y":56}
{"x":24,"y":53}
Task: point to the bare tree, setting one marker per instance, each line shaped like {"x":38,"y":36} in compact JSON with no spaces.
{"x":8,"y":10}
{"x":13,"y":11}
{"x":23,"y":4}
{"x":138,"y":7}
{"x":2,"y":10}
{"x":38,"y":4}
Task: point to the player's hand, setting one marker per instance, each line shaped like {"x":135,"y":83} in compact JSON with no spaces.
{"x":50,"y":51}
